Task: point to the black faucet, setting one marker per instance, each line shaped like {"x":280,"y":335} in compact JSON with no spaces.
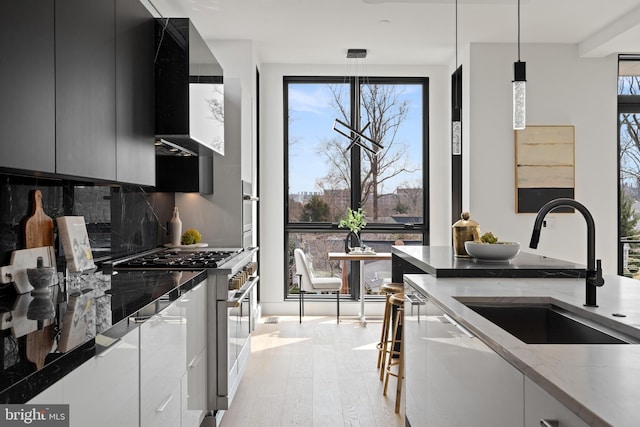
{"x":594,"y":268}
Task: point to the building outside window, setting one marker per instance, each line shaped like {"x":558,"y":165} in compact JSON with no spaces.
{"x":327,"y":173}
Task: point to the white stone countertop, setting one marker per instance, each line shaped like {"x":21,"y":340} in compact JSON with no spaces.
{"x":598,"y":382}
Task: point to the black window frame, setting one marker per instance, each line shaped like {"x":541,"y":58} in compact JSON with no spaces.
{"x":629,"y":104}
{"x":299,"y":227}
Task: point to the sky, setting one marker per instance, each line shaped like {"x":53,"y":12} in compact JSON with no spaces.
{"x":311,"y":122}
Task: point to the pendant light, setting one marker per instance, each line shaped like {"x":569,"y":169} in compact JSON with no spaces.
{"x":519,"y":87}
{"x":456,"y":114}
{"x":356,"y":137}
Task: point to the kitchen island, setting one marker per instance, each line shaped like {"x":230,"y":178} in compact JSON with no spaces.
{"x":499,"y":377}
{"x":440,"y":261}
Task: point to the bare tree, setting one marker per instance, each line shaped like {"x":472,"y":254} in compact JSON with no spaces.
{"x":629,"y":152}
{"x":382,"y":107}
{"x":629,"y":137}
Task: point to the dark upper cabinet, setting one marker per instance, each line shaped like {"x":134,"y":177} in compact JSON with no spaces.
{"x":77,"y":80}
{"x":85,"y":88}
{"x":27,"y":110}
{"x":135,"y":128}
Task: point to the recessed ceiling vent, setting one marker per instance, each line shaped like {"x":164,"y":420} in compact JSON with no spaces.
{"x":357,"y":53}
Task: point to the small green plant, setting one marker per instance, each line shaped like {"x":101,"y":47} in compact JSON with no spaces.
{"x":488,"y":237}
{"x":354,"y":220}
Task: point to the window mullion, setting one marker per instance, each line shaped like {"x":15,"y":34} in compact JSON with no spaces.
{"x":356,"y":164}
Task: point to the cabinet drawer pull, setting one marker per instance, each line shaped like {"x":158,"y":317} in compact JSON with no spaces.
{"x":195,"y":361}
{"x":139,"y":319}
{"x":162,"y":407}
{"x":549,"y":423}
{"x":459,"y":326}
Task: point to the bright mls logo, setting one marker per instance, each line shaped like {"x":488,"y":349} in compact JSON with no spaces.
{"x":34,"y":415}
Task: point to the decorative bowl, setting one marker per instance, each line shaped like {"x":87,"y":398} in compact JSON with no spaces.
{"x":501,"y":251}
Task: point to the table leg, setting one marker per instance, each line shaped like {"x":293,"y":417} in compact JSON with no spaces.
{"x":362,"y":317}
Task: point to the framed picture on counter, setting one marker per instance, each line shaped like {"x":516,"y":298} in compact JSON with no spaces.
{"x":545,"y":166}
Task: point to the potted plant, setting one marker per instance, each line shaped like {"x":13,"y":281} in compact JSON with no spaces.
{"x":354,"y":221}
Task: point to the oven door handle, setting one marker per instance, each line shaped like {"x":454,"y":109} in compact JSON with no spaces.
{"x":243,"y":292}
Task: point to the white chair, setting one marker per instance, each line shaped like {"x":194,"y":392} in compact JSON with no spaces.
{"x":307,"y":282}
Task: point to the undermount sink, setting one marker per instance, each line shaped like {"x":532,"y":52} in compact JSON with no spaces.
{"x":547,"y":323}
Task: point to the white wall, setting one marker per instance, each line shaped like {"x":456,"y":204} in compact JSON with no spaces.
{"x":217,"y":216}
{"x":562,"y":89}
{"x":272,"y":172}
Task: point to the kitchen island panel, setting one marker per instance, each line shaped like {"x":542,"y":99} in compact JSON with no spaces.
{"x":455,"y":379}
{"x":596,"y":382}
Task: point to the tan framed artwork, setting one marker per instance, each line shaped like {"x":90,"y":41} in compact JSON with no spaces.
{"x":545,"y":166}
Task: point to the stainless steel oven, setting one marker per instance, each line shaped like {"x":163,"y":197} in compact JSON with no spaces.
{"x":238,"y":310}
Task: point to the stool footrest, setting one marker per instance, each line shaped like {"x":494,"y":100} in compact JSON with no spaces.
{"x":416,"y":299}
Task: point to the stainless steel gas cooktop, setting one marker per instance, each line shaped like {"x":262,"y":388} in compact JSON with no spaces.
{"x":177,"y":259}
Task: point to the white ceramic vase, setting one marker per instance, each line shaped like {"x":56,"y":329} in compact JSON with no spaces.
{"x":175,"y":227}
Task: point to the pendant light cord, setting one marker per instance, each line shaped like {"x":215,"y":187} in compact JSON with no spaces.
{"x":518,"y":30}
{"x":456,"y":34}
{"x":456,"y":106}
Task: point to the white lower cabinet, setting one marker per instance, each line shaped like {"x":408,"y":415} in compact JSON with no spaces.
{"x":163,"y":343}
{"x":194,"y":385}
{"x":173,"y":389}
{"x":162,"y":407}
{"x":51,"y":396}
{"x":540,"y":405}
{"x":195,"y":304}
{"x":194,"y":391}
{"x":102,"y":392}
{"x":468,"y":384}
{"x":154,"y":376}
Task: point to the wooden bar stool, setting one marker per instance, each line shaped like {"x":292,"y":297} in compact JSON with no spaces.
{"x":396,"y":352}
{"x":385,"y":342}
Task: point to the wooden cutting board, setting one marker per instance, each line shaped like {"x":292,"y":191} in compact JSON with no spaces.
{"x":22,"y":259}
{"x":38,"y":227}
{"x":38,"y":232}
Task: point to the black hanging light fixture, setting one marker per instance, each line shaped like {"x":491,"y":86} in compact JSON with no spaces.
{"x":356,"y":137}
{"x":519,"y":87}
{"x":456,"y":114}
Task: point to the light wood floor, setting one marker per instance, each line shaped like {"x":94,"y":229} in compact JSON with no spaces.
{"x":313,"y":374}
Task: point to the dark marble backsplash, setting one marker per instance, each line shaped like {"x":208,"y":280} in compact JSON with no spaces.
{"x":121,"y":220}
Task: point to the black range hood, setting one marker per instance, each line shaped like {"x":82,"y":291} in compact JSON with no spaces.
{"x":189,"y":110}
{"x":184,"y":174}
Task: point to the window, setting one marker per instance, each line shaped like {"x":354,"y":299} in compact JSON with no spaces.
{"x":629,"y":166}
{"x":326,"y":173}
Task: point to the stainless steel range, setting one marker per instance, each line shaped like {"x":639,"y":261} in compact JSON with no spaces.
{"x":178,"y":259}
{"x":231,"y":301}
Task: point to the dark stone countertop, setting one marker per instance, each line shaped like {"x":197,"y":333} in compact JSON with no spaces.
{"x":117,"y":299}
{"x":440,"y":261}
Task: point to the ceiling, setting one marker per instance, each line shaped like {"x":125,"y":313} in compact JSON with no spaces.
{"x":407,"y":32}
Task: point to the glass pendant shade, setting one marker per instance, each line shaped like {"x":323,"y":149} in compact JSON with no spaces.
{"x":456,"y":137}
{"x":519,"y":107}
{"x":519,"y":95}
